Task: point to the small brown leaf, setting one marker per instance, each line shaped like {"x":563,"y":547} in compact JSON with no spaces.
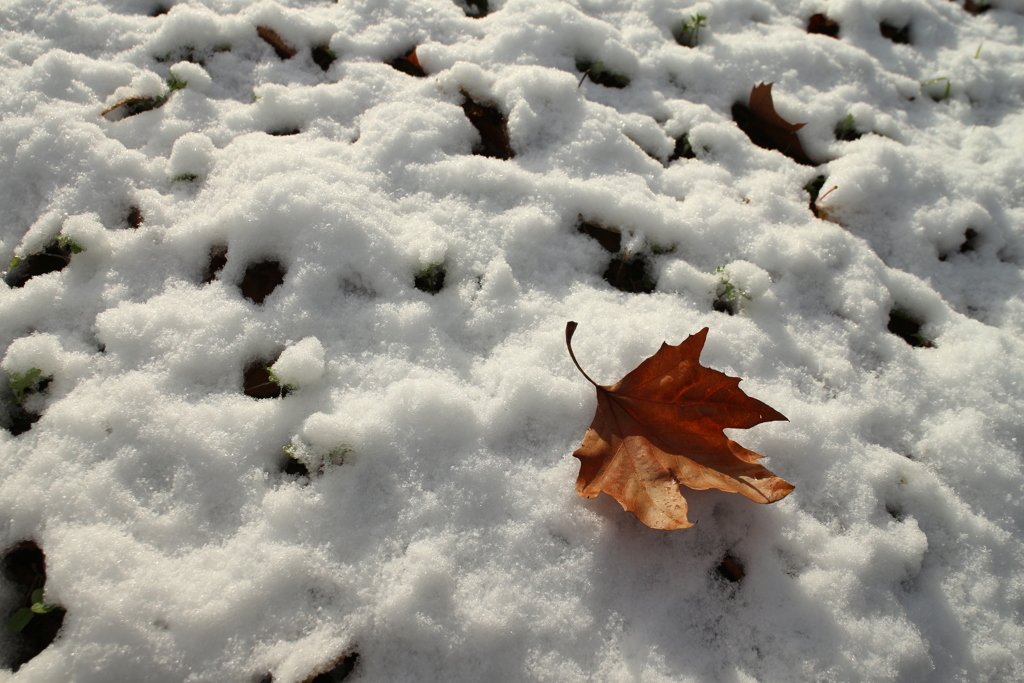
{"x":661,"y":426}
{"x":819,"y":23}
{"x":766,"y":128}
{"x":610,"y":239}
{"x":283,"y":50}
{"x":408,"y":64}
{"x":492,"y":126}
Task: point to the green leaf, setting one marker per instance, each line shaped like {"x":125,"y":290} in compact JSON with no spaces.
{"x":20,"y":382}
{"x":19,"y":620}
{"x":37,"y":595}
{"x":70,"y":244}
{"x":42,"y":608}
{"x":175,"y":83}
{"x":15,"y":261}
{"x":727,"y":290}
{"x":688,"y":33}
{"x":185,"y":177}
{"x":847,"y":129}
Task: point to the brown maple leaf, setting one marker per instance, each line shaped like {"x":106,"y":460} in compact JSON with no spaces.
{"x":660,"y":427}
{"x":766,"y":128}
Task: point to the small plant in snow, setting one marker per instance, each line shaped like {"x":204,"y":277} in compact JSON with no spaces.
{"x":945,"y":93}
{"x":687,"y":35}
{"x":430,"y":278}
{"x":847,"y":129}
{"x":314,"y":458}
{"x":21,"y":382}
{"x":728,"y":294}
{"x":20,"y":619}
{"x":277,"y":380}
{"x":70,"y":244}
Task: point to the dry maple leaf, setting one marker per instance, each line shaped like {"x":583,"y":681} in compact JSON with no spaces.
{"x":766,"y":128}
{"x":660,"y":427}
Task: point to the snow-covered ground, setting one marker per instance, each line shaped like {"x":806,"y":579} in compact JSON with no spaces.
{"x":442,"y":539}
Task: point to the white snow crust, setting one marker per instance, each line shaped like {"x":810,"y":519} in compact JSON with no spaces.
{"x":445,"y":541}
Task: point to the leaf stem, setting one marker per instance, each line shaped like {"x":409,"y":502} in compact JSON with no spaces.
{"x":570,"y":329}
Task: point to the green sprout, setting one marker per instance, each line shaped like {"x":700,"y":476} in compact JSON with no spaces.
{"x":305,"y":455}
{"x":185,"y":177}
{"x":174,"y":83}
{"x":430,"y":278}
{"x":14,"y":261}
{"x":977,"y":53}
{"x":21,"y":382}
{"x":687,"y":35}
{"x":847,"y":129}
{"x":20,"y":619}
{"x":276,"y":379}
{"x":727,"y":293}
{"x":70,"y":244}
{"x":945,"y":94}
{"x":336,"y":456}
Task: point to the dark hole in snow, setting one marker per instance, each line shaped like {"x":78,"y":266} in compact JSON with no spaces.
{"x":20,"y":419}
{"x":598,"y":73}
{"x":970,"y":241}
{"x":731,"y":569}
{"x":430,"y":279}
{"x":134,"y":218}
{"x":158,"y":10}
{"x":341,"y":670}
{"x":54,"y":258}
{"x":895,"y":512}
{"x":345,"y":666}
{"x":474,"y":8}
{"x":725,"y":306}
{"x":630,"y":273}
{"x":896,"y":35}
{"x":976,"y":7}
{"x":906,"y":327}
{"x":218,"y":259}
{"x":323,"y":57}
{"x":283,"y":50}
{"x":819,"y":23}
{"x":261,"y":279}
{"x":492,"y":126}
{"x":408,"y":64}
{"x":294,"y":468}
{"x":256,"y":382}
{"x":24,"y":565}
{"x":283,"y":132}
{"x":683,"y":149}
{"x":611,"y":240}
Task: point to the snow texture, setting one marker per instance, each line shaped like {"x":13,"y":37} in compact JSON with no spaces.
{"x":442,"y":539}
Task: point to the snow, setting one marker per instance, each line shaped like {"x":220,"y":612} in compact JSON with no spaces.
{"x":438,"y":533}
